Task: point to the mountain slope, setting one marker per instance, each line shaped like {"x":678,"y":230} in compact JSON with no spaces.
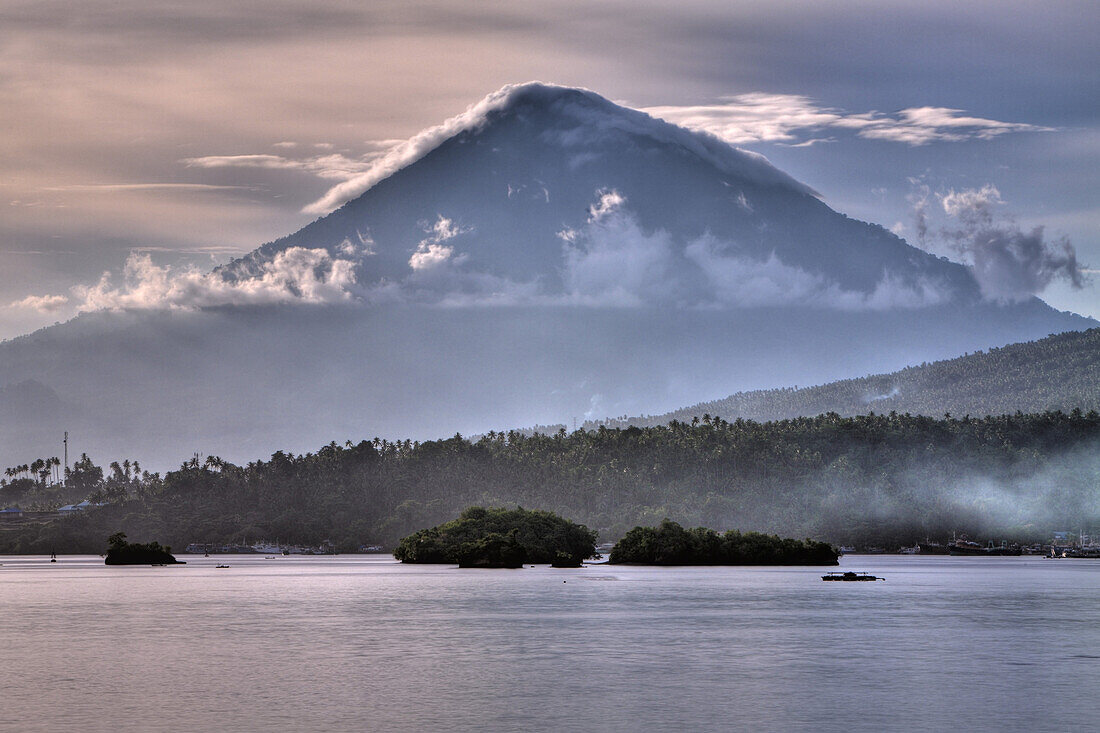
{"x":539,"y":185}
{"x":545,"y":255}
{"x":1060,"y":372}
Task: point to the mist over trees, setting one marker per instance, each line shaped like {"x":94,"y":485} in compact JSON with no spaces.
{"x":874,"y":479}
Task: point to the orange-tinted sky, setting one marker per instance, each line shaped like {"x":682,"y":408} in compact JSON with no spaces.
{"x":196,"y":131}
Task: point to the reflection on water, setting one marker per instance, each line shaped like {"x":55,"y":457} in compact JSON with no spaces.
{"x":363,"y":643}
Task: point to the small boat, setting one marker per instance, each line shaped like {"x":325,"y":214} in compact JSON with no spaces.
{"x":221,"y":566}
{"x":849,"y":576}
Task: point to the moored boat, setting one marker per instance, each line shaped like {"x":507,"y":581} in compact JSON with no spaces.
{"x":971,"y":548}
{"x":849,"y":576}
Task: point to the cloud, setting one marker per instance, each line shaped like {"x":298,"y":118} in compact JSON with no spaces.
{"x":1012,"y":265}
{"x":612,"y":261}
{"x":974,"y":206}
{"x":609,"y":261}
{"x":112,"y":187}
{"x":585,"y":110}
{"x":742,"y":281}
{"x":295,"y":275}
{"x":791,"y":118}
{"x":924,"y":125}
{"x":332,"y":166}
{"x":428,"y":256}
{"x":752,"y":118}
{"x":1008,"y":263}
{"x":608,"y":203}
{"x":738,"y":281}
{"x":431,"y":252}
{"x":41,"y":303}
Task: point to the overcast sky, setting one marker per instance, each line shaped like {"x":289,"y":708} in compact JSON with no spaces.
{"x":197,"y":130}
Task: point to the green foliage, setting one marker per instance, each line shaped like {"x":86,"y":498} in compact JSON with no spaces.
{"x":671,"y":544}
{"x":1060,"y":372}
{"x":500,"y":537}
{"x":84,"y":477}
{"x":494,"y":550}
{"x":121,"y":552}
{"x":38,"y":486}
{"x":887,"y":480}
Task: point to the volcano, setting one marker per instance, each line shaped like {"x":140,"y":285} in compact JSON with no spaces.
{"x":545,"y":256}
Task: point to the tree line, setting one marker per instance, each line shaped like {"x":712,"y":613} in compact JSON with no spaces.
{"x":876,"y":479}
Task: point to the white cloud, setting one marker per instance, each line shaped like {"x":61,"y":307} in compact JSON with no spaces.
{"x":790,"y":118}
{"x":924,"y":125}
{"x":41,"y":303}
{"x":608,"y":203}
{"x":332,"y":166}
{"x":740,"y":281}
{"x":430,"y":255}
{"x":295,"y":275}
{"x":785,"y":119}
{"x":611,"y":261}
{"x":751,"y":118}
{"x":444,"y":229}
{"x":587,"y":110}
{"x":974,"y":205}
{"x":431,"y":252}
{"x":240,"y":161}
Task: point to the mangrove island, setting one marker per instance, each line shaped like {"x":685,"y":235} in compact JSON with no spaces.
{"x":500,"y":538}
{"x":671,"y":544}
{"x":121,"y":552}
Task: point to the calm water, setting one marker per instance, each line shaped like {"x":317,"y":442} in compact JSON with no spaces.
{"x":360,"y":643}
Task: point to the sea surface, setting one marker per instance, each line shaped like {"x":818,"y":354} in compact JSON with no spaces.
{"x":362,"y":643}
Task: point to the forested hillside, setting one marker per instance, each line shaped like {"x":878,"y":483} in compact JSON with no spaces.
{"x":1060,"y":372}
{"x":875,"y":479}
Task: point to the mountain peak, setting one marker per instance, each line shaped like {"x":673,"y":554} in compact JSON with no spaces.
{"x":562,"y":109}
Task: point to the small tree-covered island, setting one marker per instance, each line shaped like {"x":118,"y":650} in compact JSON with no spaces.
{"x":507,"y":538}
{"x":671,"y":544}
{"x":121,"y":552}
{"x":500,"y":538}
